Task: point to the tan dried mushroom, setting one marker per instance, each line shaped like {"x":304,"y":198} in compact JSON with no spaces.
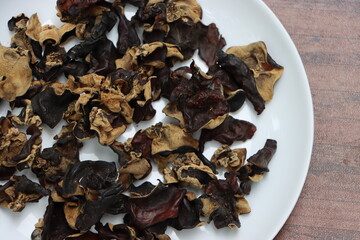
{"x":266,"y":70}
{"x":15,"y":72}
{"x":232,"y":160}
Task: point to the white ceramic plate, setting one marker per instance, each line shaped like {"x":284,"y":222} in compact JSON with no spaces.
{"x":288,"y":118}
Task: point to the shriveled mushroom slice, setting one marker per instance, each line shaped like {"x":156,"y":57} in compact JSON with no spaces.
{"x":103,"y":123}
{"x":137,"y":166}
{"x":169,"y":137}
{"x":48,"y":33}
{"x":232,"y":160}
{"x":266,"y":70}
{"x":84,"y":175}
{"x":12,"y":141}
{"x":221,"y":201}
{"x":18,"y":191}
{"x":190,"y":171}
{"x":151,"y":54}
{"x":30,"y":149}
{"x":15,"y":72}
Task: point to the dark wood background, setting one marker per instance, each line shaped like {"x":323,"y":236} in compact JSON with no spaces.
{"x":327,"y":35}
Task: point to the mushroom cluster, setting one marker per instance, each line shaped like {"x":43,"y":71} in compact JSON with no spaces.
{"x":110,"y":86}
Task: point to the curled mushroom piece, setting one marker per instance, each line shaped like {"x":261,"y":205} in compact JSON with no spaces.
{"x":229,"y":131}
{"x":12,"y":142}
{"x":51,"y":106}
{"x":54,"y":225}
{"x":160,"y":204}
{"x":18,"y":191}
{"x":197,"y":102}
{"x":48,"y":33}
{"x":258,"y":163}
{"x":266,"y":70}
{"x":232,"y":160}
{"x":243,"y":76}
{"x":51,"y":164}
{"x":16,"y":150}
{"x":190,"y":171}
{"x":15,"y":72}
{"x":222,"y":198}
{"x":169,"y":137}
{"x":88,"y":175}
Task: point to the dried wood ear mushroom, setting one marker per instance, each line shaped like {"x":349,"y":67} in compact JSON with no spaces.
{"x":15,"y":72}
{"x":266,"y":70}
{"x":107,"y":88}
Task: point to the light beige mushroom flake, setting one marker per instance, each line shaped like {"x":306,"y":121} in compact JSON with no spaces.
{"x":15,"y":72}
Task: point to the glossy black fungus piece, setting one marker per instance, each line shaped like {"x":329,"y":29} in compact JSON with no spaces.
{"x":224,"y":77}
{"x":210,"y":43}
{"x":185,"y":35}
{"x":12,"y":22}
{"x":94,"y":175}
{"x":160,"y":81}
{"x":76,"y":68}
{"x":161,"y":204}
{"x":189,"y":215}
{"x":243,"y":76}
{"x":110,"y":201}
{"x":52,"y":163}
{"x":50,"y":106}
{"x":102,"y":57}
{"x":50,"y":65}
{"x":55,"y":224}
{"x":79,"y":51}
{"x":26,"y":186}
{"x":222,"y":192}
{"x":236,"y":101}
{"x":127,"y":33}
{"x":228,"y":131}
{"x":262,"y":158}
{"x":142,"y":113}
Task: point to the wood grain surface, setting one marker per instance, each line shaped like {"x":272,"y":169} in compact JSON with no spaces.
{"x":327,"y":35}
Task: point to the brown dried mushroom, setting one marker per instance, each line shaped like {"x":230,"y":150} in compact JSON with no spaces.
{"x":266,"y":70}
{"x":108,"y":87}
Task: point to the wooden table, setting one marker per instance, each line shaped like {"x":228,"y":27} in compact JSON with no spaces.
{"x":327,"y":35}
